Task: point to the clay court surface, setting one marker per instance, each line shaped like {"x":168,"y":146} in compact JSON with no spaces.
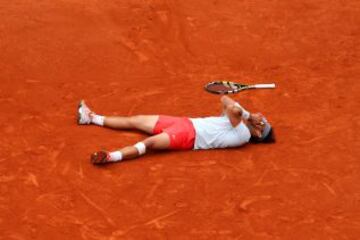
{"x":146,"y":57}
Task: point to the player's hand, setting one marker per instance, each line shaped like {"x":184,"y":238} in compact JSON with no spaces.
{"x":256,"y":119}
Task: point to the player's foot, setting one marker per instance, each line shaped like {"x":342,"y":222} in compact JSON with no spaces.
{"x":100,"y":157}
{"x":83,"y":113}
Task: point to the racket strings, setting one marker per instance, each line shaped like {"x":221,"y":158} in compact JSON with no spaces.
{"x":222,"y":87}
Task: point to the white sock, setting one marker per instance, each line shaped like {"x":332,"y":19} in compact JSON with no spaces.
{"x":115,"y":156}
{"x":97,"y":119}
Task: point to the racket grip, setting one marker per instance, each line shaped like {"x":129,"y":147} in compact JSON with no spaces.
{"x":271,"y":85}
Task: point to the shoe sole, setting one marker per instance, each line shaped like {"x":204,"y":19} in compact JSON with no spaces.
{"x":79,"y":114}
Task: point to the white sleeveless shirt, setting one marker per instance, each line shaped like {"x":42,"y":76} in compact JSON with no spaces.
{"x":217,"y":132}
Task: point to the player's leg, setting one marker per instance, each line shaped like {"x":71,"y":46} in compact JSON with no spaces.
{"x":144,"y":123}
{"x":159,"y":141}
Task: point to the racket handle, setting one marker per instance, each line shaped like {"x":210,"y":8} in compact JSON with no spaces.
{"x":271,"y":85}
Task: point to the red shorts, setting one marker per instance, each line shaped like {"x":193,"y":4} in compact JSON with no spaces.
{"x":180,"y":130}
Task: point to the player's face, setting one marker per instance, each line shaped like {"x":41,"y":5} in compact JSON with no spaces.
{"x":254,"y":131}
{"x":255,"y":124}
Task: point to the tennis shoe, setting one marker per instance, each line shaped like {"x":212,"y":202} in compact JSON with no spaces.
{"x":84,"y":113}
{"x":100,"y":157}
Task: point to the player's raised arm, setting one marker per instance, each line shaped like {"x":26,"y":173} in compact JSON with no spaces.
{"x":227,"y":101}
{"x":234,"y":111}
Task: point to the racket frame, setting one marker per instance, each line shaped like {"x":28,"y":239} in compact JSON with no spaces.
{"x":239,"y":86}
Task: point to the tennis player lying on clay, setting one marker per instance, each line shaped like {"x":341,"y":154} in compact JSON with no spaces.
{"x":234,"y":128}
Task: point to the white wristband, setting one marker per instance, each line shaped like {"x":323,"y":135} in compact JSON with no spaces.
{"x":245,"y":114}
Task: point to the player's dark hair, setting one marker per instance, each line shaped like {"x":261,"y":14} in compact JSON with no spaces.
{"x":270,"y":138}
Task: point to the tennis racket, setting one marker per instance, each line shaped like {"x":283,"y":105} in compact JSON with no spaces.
{"x":226,"y":87}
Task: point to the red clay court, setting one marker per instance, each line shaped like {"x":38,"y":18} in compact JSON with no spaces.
{"x":147,"y":57}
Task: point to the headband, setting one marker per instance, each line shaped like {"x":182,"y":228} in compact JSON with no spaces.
{"x":267,"y":128}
